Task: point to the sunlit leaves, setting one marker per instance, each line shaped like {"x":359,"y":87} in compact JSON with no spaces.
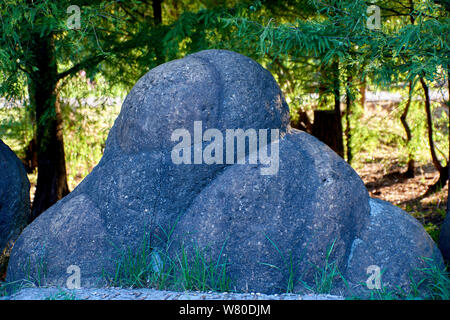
{"x":340,"y":32}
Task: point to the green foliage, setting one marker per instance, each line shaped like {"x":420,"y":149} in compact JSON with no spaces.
{"x":337,"y":31}
{"x":200,"y":273}
{"x":85,"y":131}
{"x":16,"y":128}
{"x":326,"y":276}
{"x":434,"y":284}
{"x":436,"y":280}
{"x":288,"y":268}
{"x":433,"y":231}
{"x":117,"y":38}
{"x":150,"y":267}
{"x":9,"y":288}
{"x":379,"y":132}
{"x":36,"y":271}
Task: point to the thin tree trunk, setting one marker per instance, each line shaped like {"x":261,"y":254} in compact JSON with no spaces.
{"x":362,"y":90}
{"x":157,"y":11}
{"x":443,"y":171}
{"x":434,"y":157}
{"x":337,"y":108}
{"x":157,"y":20}
{"x":52,"y":176}
{"x":410,"y":171}
{"x":348,"y":111}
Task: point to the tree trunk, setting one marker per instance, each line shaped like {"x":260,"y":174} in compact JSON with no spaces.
{"x":443,"y":171}
{"x":157,"y":20}
{"x":348,"y":112}
{"x":52,"y":177}
{"x":30,"y":161}
{"x":302,"y":122}
{"x":410,"y":171}
{"x":326,"y":128}
{"x":362,"y":90}
{"x":337,"y":110}
{"x":434,"y":157}
{"x":157,"y":12}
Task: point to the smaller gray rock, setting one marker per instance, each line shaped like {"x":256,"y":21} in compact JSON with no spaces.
{"x":270,"y":228}
{"x":14,"y":201}
{"x":396,"y":243}
{"x":14,"y":196}
{"x":84,"y":234}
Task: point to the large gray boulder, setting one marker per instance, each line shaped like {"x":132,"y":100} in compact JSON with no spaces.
{"x":279,"y":226}
{"x":269,"y":227}
{"x":136,"y":187}
{"x":14,"y":199}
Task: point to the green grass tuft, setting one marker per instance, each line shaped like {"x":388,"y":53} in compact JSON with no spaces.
{"x":150,"y":267}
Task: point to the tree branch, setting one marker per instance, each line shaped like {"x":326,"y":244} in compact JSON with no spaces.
{"x":91,"y":61}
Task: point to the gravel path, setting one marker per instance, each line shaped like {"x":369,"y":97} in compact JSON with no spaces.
{"x":149,"y":294}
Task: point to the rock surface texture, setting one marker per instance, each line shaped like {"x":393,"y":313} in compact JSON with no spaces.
{"x":272,"y":230}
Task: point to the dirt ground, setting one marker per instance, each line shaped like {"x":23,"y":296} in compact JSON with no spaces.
{"x":386,"y":183}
